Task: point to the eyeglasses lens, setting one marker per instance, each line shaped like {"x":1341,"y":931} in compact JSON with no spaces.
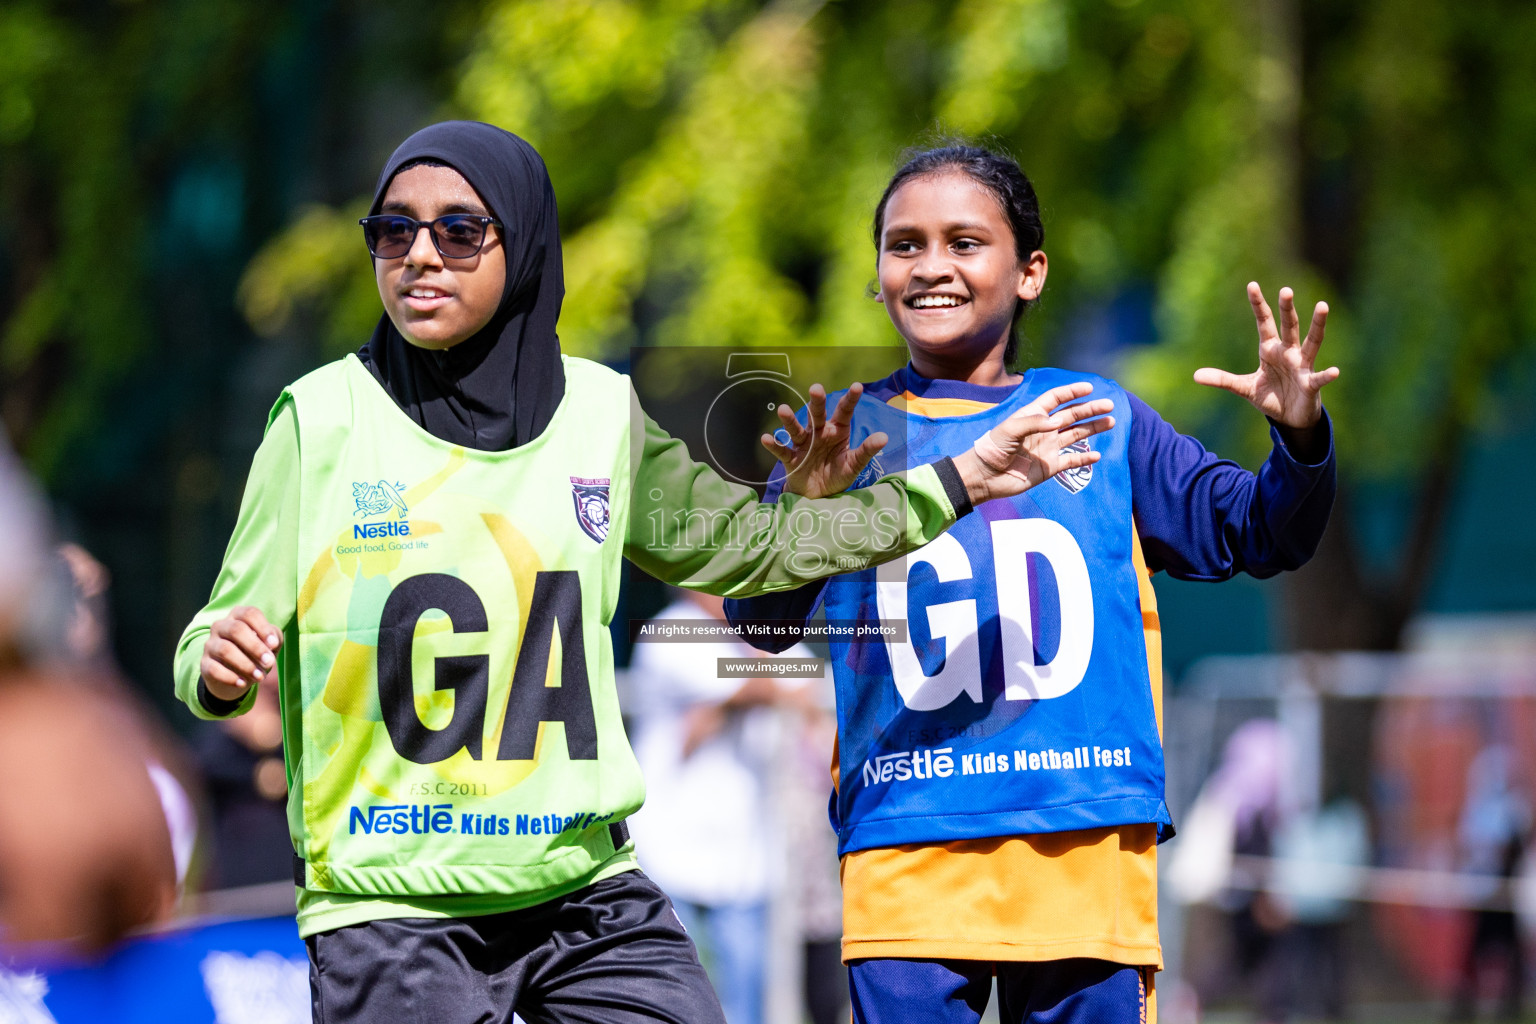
{"x":390,"y":237}
{"x":458,"y":237}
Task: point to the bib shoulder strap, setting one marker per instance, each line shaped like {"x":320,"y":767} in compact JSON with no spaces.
{"x":596,"y":385}
{"x":324,"y":396}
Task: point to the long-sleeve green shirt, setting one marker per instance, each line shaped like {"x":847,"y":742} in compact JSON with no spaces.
{"x":682,"y":512}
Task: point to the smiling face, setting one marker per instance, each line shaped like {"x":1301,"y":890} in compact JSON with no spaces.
{"x":950,"y":276}
{"x":435,"y":302}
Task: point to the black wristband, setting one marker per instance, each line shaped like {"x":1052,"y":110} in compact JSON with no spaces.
{"x":216,"y":706}
{"x":954,"y":487}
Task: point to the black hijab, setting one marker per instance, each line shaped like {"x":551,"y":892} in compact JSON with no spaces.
{"x":498,"y":388}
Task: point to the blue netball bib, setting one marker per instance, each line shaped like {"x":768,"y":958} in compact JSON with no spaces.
{"x":1020,"y":699}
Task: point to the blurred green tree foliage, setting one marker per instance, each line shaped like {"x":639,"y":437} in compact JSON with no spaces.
{"x":146,"y":149}
{"x":717,"y":163}
{"x":144,"y":146}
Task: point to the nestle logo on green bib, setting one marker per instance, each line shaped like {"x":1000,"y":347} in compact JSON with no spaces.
{"x":377,"y":500}
{"x":390,"y":529}
{"x":425,"y":819}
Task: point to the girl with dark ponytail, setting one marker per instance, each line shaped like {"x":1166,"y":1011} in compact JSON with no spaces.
{"x":999,"y":770}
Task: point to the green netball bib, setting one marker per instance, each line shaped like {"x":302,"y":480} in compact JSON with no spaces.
{"x":460,"y":728}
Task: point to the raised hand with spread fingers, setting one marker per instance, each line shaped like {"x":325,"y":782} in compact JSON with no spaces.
{"x":1285,"y":387}
{"x":1033,"y":445}
{"x":817,"y":460}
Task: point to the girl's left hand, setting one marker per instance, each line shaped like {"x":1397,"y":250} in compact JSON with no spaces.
{"x":817,"y":461}
{"x":1284,"y":387}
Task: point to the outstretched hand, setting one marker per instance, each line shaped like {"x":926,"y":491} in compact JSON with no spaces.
{"x":817,"y":461}
{"x":1032,"y":445}
{"x":1284,"y":387}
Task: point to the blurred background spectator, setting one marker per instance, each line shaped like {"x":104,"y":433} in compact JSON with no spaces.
{"x":811,"y":849}
{"x":23,"y":560}
{"x":86,"y":834}
{"x":1319,"y":853}
{"x":242,"y":766}
{"x":736,"y":771}
{"x":1237,"y":814}
{"x":1495,"y":831}
{"x":85,"y":852}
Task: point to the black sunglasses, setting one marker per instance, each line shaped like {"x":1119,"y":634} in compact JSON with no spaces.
{"x":457,"y":236}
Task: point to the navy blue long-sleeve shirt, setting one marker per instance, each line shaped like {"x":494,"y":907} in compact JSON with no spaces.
{"x":1199,"y":517}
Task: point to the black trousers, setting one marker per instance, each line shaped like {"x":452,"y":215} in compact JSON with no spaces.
{"x":611,"y":953}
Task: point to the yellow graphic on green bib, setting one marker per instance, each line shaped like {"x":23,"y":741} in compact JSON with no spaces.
{"x":456,"y":668}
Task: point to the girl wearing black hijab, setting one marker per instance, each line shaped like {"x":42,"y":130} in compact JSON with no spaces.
{"x":426,"y":563}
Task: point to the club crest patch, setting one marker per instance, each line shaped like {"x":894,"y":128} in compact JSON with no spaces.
{"x":591,"y":498}
{"x":869,"y":474}
{"x":1075,"y":480}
